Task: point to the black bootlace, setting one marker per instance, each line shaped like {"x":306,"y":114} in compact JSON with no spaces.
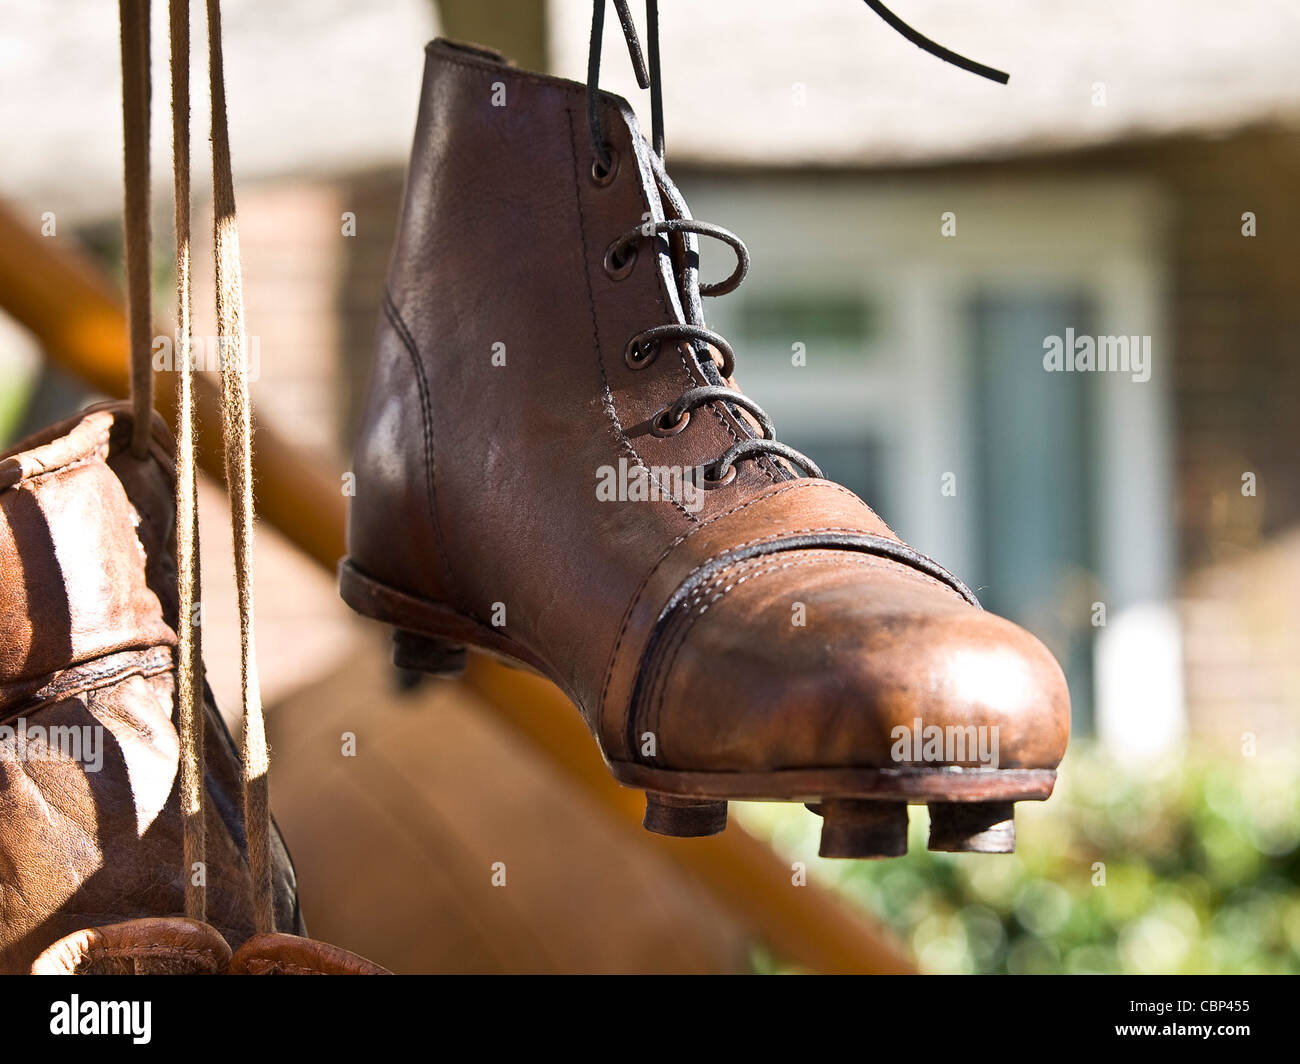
{"x":643,"y":347}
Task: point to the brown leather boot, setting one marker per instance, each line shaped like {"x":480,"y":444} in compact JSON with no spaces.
{"x":556,"y":466}
{"x":90,"y":825}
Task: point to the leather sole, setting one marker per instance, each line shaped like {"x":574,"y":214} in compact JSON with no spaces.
{"x":428,"y":636}
{"x":864,"y":810}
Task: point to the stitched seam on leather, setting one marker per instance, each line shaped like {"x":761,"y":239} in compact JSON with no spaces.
{"x":764,"y":462}
{"x":269,"y":967}
{"x":691,"y":615}
{"x":426,"y":418}
{"x":712,"y":407}
{"x":690,"y":381}
{"x":654,"y":695}
{"x":147,"y":949}
{"x":745,"y":566}
{"x":41,"y":474}
{"x":687,"y":608}
{"x":607,"y":395}
{"x":92,"y":676}
{"x":489,"y":68}
{"x":607,"y":398}
{"x":636,"y":595}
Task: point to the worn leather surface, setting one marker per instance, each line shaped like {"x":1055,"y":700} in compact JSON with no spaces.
{"x":175,"y":945}
{"x":168,"y":945}
{"x":279,"y":954}
{"x":476,"y":482}
{"x":87,"y":634}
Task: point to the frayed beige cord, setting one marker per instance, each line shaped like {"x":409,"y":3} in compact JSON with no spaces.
{"x":236,"y":430}
{"x":235,"y":416}
{"x":189,"y":664}
{"x":134,"y":16}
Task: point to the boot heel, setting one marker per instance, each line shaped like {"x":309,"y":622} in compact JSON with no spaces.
{"x":685,"y":818}
{"x":427,"y":653}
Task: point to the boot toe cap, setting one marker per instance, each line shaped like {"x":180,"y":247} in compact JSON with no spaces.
{"x":821,"y":659}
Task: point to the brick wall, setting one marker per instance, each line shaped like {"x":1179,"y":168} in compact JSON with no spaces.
{"x":1234,"y":315}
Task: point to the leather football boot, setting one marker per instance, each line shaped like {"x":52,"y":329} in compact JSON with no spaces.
{"x":90,"y":822}
{"x":556,"y":466}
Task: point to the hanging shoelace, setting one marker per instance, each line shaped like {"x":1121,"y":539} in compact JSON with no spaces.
{"x":235,"y":417}
{"x":237,"y":436}
{"x":643,"y":347}
{"x":134,"y":15}
{"x":189,"y":666}
{"x":648,"y":77}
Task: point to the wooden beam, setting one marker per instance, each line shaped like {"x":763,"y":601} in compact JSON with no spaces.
{"x":76,"y":314}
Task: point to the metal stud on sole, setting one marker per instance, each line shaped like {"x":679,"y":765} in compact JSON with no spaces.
{"x":973,"y":827}
{"x":859,"y":827}
{"x":427,"y":653}
{"x":667,"y":814}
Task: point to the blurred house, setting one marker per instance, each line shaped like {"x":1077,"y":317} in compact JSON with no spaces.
{"x":918,"y":237}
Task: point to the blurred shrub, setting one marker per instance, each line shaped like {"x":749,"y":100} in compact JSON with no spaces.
{"x":1188,"y":866}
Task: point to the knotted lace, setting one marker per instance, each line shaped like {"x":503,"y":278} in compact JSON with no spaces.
{"x":643,"y":347}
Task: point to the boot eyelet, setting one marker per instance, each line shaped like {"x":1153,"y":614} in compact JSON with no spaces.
{"x":638,"y":356}
{"x":617,"y":269}
{"x":659,"y":425}
{"x":599,"y":175}
{"x":710,"y":481}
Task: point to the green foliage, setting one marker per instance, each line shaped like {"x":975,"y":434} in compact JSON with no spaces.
{"x":1185,"y":867}
{"x":13,"y":398}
